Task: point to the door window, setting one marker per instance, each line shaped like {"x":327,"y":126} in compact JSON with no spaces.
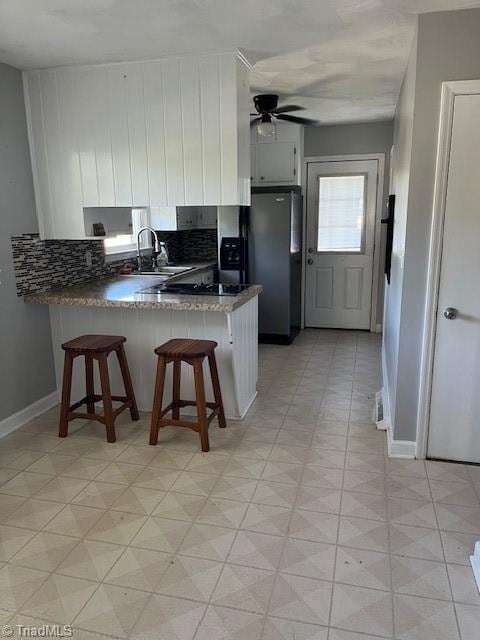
{"x":341,"y":213}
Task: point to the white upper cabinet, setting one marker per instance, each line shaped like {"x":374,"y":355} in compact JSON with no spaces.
{"x":165,"y":133}
{"x":276,"y":159}
{"x":182,"y":218}
{"x":276,"y":162}
{"x":207,"y":218}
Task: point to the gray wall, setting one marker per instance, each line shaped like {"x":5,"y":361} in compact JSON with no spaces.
{"x":26,"y":360}
{"x":448,"y":48}
{"x":345,"y":139}
{"x":350,"y":139}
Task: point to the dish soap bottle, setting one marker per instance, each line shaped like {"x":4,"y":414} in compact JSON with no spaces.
{"x":162,"y":258}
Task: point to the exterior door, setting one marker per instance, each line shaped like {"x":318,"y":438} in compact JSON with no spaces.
{"x":341,"y":203}
{"x":454,"y":432}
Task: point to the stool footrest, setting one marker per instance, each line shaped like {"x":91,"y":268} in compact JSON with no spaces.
{"x":72,"y":414}
{"x":192,"y":403}
{"x":189,"y":424}
{"x":85,"y":416}
{"x":187,"y":403}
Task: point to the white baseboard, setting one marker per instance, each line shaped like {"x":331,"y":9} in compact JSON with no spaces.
{"x":254,"y":397}
{"x":17,"y":420}
{"x":400,"y":448}
{"x":475,"y":562}
{"x":396,"y":448}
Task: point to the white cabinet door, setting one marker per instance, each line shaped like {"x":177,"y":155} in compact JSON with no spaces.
{"x":163,"y":218}
{"x":187,"y":218}
{"x":133,"y":76}
{"x":207,"y":218}
{"x":173,"y":133}
{"x":183,"y":218}
{"x":118,"y":120}
{"x":211,"y":137}
{"x":84,"y":82}
{"x":192,"y":130}
{"x":97,"y":129}
{"x":38,"y":154}
{"x":53,"y":149}
{"x":276,"y":162}
{"x":69,"y":218}
{"x":154,"y":91}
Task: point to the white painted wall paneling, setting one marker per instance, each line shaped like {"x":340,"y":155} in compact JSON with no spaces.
{"x":169,"y":132}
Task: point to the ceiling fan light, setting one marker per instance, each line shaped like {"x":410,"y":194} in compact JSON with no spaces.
{"x":266,"y":127}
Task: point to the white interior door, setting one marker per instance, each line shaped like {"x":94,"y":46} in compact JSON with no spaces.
{"x":341,"y":203}
{"x":454,"y":432}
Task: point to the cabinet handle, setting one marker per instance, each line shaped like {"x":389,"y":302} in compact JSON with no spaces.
{"x":262,"y":177}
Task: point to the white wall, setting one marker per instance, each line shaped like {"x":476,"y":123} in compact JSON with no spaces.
{"x":447,"y":48}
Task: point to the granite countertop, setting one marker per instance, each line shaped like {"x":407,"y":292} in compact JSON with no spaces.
{"x":125,"y":291}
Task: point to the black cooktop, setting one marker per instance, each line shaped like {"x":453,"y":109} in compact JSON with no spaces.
{"x":198,"y":289}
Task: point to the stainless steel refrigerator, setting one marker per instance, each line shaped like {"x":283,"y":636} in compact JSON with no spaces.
{"x":262,"y":244}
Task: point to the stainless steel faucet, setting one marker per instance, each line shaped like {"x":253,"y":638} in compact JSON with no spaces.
{"x":155,"y":245}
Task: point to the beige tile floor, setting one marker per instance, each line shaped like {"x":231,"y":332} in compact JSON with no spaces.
{"x":294,"y":527}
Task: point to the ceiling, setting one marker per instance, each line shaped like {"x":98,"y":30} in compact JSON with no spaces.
{"x":342,"y":59}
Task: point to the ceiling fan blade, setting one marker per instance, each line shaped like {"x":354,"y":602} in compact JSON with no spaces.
{"x":254,"y":121}
{"x":287,"y":108}
{"x":296,"y":119}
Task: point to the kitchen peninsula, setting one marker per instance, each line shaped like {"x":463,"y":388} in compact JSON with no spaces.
{"x":120,"y":305}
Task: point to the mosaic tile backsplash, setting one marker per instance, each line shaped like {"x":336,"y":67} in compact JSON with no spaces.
{"x":42,"y":264}
{"x":199,"y":244}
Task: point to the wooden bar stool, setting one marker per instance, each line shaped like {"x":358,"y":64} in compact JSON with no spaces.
{"x":94,"y":347}
{"x":193,"y":352}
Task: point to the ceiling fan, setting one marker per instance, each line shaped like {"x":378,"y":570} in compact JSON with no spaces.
{"x":267,"y":113}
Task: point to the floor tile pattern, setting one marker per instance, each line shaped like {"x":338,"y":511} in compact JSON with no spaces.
{"x":296,"y":526}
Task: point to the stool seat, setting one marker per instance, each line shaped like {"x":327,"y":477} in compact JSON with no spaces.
{"x":193,"y":353}
{"x":185,"y":348}
{"x":94,"y":343}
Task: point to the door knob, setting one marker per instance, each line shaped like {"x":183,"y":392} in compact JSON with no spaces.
{"x":450,"y":313}
{"x":310,"y":261}
{"x":310,"y":250}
